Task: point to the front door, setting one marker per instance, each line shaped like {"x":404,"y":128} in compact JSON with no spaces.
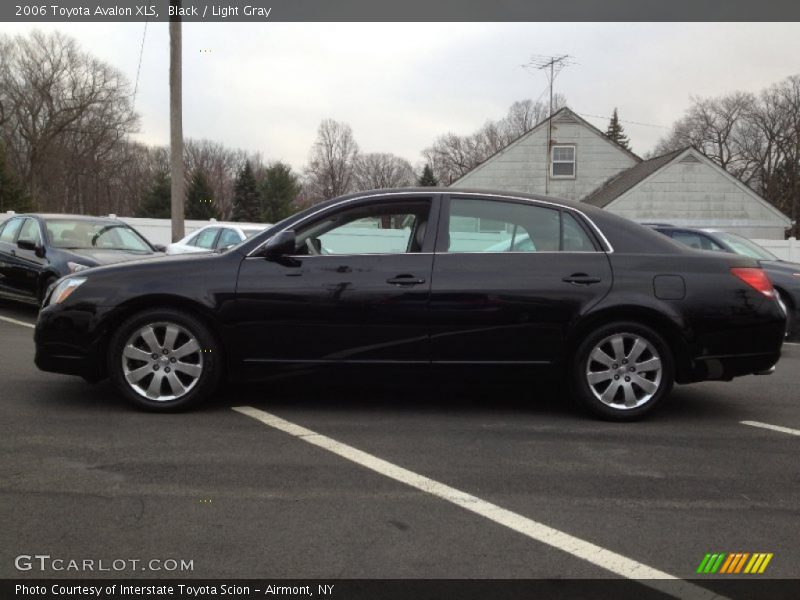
{"x":508,"y":278}
{"x":355,"y":290}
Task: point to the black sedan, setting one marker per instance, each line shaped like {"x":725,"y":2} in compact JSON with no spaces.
{"x":423,"y":277}
{"x":37,"y":249}
{"x":784,"y":275}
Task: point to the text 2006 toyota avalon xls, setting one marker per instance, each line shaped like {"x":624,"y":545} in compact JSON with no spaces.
{"x":423,"y":276}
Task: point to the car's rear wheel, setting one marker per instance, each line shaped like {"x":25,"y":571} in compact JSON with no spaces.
{"x":164,"y":360}
{"x":622,"y":370}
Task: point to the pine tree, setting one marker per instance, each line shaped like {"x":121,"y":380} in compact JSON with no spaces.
{"x":157,"y":202}
{"x":246,"y":199}
{"x":200,"y":202}
{"x":279,"y":190}
{"x":427,"y":179}
{"x":12,"y":196}
{"x":616,"y":132}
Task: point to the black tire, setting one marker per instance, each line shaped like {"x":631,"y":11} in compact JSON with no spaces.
{"x":207,"y":358}
{"x":613,"y":408}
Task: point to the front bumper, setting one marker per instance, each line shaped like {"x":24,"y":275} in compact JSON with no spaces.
{"x":69,"y":340}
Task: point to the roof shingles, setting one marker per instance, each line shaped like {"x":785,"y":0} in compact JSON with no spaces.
{"x":624,"y":181}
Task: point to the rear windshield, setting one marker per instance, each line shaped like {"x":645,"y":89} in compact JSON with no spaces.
{"x":745,"y":247}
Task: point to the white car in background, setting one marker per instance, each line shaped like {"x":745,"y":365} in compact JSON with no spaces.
{"x":214,"y":236}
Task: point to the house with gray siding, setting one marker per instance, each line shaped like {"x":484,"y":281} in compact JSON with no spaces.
{"x":683,"y":188}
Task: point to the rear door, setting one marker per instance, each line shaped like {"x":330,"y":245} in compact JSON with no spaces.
{"x":508,"y":279}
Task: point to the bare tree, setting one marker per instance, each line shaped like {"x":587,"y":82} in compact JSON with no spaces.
{"x":754,"y":137}
{"x":453,"y":155}
{"x":379,"y":170}
{"x":64,"y":111}
{"x":330,"y":168}
{"x":718,"y":128}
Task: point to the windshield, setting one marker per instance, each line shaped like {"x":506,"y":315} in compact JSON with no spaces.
{"x":745,"y":247}
{"x":76,"y":234}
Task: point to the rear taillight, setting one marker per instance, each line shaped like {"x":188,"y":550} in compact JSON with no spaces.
{"x":756,"y":279}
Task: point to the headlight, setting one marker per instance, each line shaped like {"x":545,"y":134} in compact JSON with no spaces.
{"x":73,"y":267}
{"x":64,"y":289}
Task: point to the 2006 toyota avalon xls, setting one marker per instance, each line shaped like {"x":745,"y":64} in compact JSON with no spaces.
{"x":423,"y":276}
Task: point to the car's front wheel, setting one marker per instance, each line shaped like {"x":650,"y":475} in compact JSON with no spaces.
{"x":164,"y":359}
{"x":622,"y":370}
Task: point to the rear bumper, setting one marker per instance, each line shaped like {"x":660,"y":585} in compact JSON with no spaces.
{"x":727,"y":367}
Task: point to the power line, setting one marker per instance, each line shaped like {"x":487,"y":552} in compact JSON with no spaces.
{"x":623,"y":120}
{"x":139,"y":68}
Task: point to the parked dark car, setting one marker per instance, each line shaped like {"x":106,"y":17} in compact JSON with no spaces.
{"x":423,"y":277}
{"x":784,"y":275}
{"x":38,"y":249}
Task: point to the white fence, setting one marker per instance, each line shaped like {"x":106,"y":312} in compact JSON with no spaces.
{"x":785,"y":249}
{"x":158,"y":231}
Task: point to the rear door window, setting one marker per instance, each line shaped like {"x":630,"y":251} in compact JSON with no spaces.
{"x":478,"y":225}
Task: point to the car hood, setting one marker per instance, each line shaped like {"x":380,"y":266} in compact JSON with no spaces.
{"x":104,"y":256}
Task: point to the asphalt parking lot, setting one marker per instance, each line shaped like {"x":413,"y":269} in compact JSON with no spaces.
{"x":84,"y":476}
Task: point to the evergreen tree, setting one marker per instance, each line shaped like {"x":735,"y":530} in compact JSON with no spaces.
{"x":157,"y":202}
{"x":12,"y":196}
{"x":279,"y":190}
{"x":616,"y":132}
{"x":427,"y":178}
{"x":246,"y":199}
{"x":200,"y":202}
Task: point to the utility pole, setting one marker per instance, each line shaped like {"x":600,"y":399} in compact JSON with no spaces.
{"x":552,"y":66}
{"x":176,"y":122}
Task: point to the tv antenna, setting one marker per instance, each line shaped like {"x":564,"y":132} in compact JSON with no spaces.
{"x":552,"y":66}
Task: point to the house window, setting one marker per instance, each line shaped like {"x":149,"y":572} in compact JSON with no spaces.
{"x":563,"y":162}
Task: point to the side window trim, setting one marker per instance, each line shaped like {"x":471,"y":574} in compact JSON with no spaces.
{"x":443,"y":230}
{"x":434,"y":201}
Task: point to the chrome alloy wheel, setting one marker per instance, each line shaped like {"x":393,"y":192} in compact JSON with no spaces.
{"x":162,"y":361}
{"x":624,"y":371}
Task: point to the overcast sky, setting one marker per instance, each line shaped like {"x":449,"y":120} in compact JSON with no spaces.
{"x":265,"y":88}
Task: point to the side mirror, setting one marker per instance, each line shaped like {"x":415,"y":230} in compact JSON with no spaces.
{"x":32,"y":246}
{"x":280,"y":244}
{"x":160,"y":247}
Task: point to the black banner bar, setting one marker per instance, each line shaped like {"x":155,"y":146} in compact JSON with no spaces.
{"x":752,"y":588}
{"x":262,"y":11}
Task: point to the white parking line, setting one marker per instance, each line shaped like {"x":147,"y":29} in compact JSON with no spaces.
{"x":15,"y":322}
{"x":601,"y":557}
{"x":772,"y":427}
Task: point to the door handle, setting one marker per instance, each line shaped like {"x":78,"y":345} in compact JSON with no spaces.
{"x":405,"y":279}
{"x":581,"y":279}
